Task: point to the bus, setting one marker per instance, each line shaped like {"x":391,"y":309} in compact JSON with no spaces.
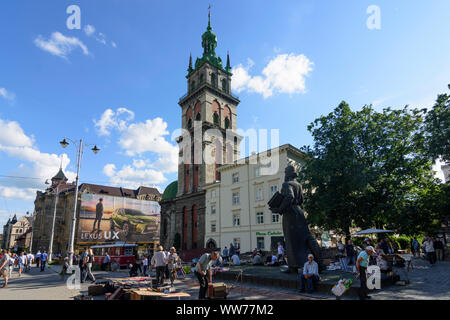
{"x":122,"y":254}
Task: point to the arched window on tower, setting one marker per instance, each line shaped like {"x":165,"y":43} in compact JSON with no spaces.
{"x":201,"y":78}
{"x":216,"y":118}
{"x":227,"y":116}
{"x":189,"y":117}
{"x":192,"y":85}
{"x":214,"y":80}
{"x":197,"y":111}
{"x":224,"y":85}
{"x":227,"y":123}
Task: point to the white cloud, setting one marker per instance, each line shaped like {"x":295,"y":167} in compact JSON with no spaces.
{"x":146,"y":136}
{"x":13,"y":135}
{"x":26,"y":194}
{"x":89,"y":30}
{"x":285,"y":73}
{"x":60,"y":45}
{"x":146,"y":141}
{"x":130,"y":177}
{"x":7,"y":95}
{"x":101,"y":38}
{"x":113,"y":120}
{"x":37,"y":166}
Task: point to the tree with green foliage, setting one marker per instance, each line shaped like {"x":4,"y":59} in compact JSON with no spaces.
{"x":365,"y":168}
{"x":437,"y":128}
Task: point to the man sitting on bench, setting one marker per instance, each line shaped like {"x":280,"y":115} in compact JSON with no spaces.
{"x":310,"y":274}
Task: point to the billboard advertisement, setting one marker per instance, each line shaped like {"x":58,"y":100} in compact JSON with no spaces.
{"x":107,"y":218}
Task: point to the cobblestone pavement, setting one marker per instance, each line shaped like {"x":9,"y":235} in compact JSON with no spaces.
{"x":36,"y":285}
{"x":250,"y":292}
{"x":426,"y":283}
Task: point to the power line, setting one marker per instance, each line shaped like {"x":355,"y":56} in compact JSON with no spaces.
{"x":19,"y":177}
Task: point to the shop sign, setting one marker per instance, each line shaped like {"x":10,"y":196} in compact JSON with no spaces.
{"x":269,"y":233}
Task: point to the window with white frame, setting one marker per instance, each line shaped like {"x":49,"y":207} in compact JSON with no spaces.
{"x":213,"y":194}
{"x":257,"y":172}
{"x":236,"y":219}
{"x":273,"y":189}
{"x":260,"y":217}
{"x":275,"y":218}
{"x":235,"y":177}
{"x":237,"y":243}
{"x":259,"y":193}
{"x":213,"y":226}
{"x":235,"y":197}
{"x":213,"y":209}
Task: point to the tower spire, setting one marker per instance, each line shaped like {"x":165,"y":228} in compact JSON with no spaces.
{"x":190,"y":63}
{"x":209,"y":18}
{"x":228,"y":67}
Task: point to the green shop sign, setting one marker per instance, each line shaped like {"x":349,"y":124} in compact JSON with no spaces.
{"x":269,"y":233}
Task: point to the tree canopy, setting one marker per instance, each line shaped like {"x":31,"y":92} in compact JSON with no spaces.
{"x":372,"y":169}
{"x":437,"y":128}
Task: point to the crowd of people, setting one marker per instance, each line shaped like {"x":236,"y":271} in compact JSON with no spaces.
{"x":22,"y":262}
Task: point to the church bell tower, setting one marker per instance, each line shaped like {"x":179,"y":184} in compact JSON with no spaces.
{"x":208,"y":117}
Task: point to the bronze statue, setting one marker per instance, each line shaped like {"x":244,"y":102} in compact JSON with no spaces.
{"x":299,"y":240}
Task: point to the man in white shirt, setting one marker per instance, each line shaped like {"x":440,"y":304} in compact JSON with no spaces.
{"x":159,"y":260}
{"x":22,"y":262}
{"x":310,"y":274}
{"x":280,"y":251}
{"x":235,"y":260}
{"x":429,"y":249}
{"x":30,"y":258}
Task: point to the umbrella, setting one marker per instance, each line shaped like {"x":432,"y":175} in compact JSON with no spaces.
{"x":370,"y":231}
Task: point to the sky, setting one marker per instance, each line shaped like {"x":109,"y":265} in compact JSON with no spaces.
{"x":116,"y":80}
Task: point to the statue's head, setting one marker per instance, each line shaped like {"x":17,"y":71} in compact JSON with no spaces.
{"x":290,"y":173}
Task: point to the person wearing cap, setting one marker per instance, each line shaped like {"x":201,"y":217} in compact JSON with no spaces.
{"x":310,"y":274}
{"x":201,"y":270}
{"x":361,"y":265}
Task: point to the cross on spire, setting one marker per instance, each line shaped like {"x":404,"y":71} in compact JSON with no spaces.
{"x":209,"y":17}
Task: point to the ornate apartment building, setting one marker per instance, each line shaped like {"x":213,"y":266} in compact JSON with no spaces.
{"x":13,"y":230}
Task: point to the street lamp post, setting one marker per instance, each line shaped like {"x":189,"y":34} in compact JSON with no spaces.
{"x":79,"y":148}
{"x":50,"y":247}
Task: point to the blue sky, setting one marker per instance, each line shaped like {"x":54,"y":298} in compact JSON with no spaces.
{"x":116,"y":81}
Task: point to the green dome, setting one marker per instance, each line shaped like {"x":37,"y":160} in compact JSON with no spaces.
{"x":171,"y":191}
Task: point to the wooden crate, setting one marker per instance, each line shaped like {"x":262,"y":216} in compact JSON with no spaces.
{"x":217,"y":290}
{"x":96,"y":290}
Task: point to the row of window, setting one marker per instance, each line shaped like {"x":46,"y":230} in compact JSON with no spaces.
{"x":216,"y":120}
{"x":259,"y":194}
{"x":214,"y":83}
{"x":237,"y":220}
{"x":235,"y":176}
